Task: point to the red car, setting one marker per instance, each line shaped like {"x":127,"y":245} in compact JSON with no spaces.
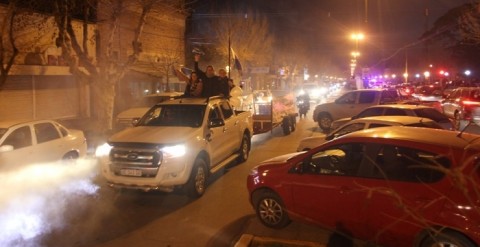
{"x":394,"y":186}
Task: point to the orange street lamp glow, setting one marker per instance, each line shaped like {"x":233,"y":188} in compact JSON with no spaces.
{"x":357,"y":36}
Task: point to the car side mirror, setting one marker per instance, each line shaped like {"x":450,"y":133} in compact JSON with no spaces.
{"x":297,"y":168}
{"x":329,"y":137}
{"x":216,"y":122}
{"x":6,"y":148}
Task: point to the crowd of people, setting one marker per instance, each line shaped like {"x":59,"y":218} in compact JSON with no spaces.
{"x":207,"y":83}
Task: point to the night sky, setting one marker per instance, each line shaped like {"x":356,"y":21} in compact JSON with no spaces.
{"x":326,"y":25}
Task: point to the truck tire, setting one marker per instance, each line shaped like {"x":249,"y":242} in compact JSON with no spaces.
{"x":197,"y":183}
{"x":325,"y":122}
{"x":286,"y":125}
{"x":244,"y":150}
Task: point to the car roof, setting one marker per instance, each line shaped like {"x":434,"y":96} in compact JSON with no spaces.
{"x":401,"y":106}
{"x":471,"y":88}
{"x":190,"y":101}
{"x":373,"y":89}
{"x":404,"y":120}
{"x":421,"y":135}
{"x":10,"y":123}
{"x":164,"y":94}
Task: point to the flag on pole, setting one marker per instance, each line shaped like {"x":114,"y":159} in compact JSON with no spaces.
{"x":236,"y":62}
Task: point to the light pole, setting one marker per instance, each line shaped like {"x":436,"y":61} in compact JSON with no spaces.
{"x":353,"y":63}
{"x":355,"y":37}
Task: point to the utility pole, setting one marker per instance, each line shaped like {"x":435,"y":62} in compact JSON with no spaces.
{"x":366,"y":11}
{"x":426,"y":30}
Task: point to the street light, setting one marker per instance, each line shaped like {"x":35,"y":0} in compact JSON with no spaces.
{"x":357,"y":37}
{"x":355,"y":54}
{"x":426,"y":74}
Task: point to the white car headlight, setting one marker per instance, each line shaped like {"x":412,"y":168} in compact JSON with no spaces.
{"x":174,"y":151}
{"x":103,"y":150}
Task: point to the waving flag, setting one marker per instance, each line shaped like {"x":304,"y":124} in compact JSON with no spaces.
{"x":236,"y":62}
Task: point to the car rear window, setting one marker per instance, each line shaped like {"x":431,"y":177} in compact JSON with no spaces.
{"x":432,"y":114}
{"x":389,"y":96}
{"x":431,"y":125}
{"x":370,"y":112}
{"x":410,"y":165}
{"x":475,"y":94}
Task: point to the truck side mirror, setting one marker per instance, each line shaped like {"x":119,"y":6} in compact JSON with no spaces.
{"x":216,"y":122}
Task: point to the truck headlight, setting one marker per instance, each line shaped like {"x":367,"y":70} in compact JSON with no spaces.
{"x":174,"y":151}
{"x":103,"y":150}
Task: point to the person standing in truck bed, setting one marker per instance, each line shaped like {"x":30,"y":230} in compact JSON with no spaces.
{"x":213,"y":85}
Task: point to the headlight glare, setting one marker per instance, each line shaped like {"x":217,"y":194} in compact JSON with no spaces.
{"x":174,"y":151}
{"x":103,"y":150}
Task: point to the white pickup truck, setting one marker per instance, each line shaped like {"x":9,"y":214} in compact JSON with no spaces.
{"x":177,"y":144}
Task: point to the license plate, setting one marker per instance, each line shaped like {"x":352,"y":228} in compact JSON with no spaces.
{"x":131,"y":172}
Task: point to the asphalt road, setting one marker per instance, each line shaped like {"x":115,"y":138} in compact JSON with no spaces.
{"x":133,"y":218}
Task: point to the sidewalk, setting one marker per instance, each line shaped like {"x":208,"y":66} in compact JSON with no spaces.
{"x":249,"y":232}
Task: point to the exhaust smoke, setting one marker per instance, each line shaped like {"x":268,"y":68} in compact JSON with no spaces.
{"x":33,"y":199}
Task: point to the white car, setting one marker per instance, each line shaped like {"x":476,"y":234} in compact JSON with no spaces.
{"x":25,"y":142}
{"x":367,"y":123}
{"x":414,"y":110}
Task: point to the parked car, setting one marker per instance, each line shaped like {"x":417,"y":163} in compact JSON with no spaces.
{"x":394,"y":186}
{"x":351,"y":103}
{"x":401,"y":110}
{"x":459,"y":105}
{"x":24,"y":142}
{"x":367,"y":123}
{"x":405,"y":89}
{"x":428,"y":93}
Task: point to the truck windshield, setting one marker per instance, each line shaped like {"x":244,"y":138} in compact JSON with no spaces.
{"x":174,"y":115}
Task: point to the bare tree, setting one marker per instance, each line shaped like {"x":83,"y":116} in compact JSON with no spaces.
{"x":248,"y":34}
{"x":8,"y":49}
{"x":164,"y":61}
{"x":469,"y":23}
{"x":111,"y":64}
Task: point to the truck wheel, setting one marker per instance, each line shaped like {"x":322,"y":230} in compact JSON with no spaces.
{"x":325,"y":122}
{"x":286,"y":125}
{"x":197,"y":182}
{"x":244,"y":149}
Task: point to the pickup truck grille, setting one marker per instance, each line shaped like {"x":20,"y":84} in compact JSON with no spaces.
{"x":135,"y":162}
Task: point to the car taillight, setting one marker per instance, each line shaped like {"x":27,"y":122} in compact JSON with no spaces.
{"x":469,"y":102}
{"x":468,"y":106}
